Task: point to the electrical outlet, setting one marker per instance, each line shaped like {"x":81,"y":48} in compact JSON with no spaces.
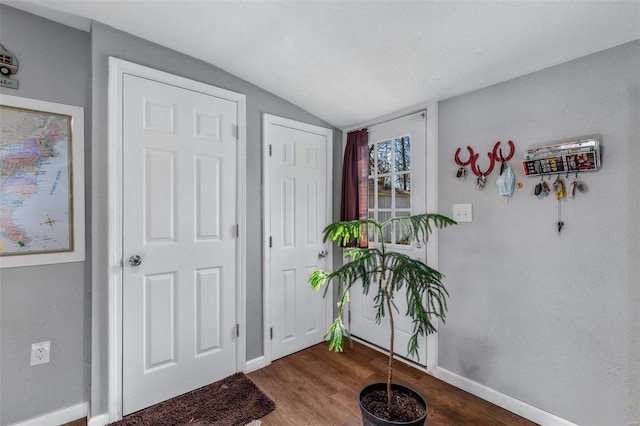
{"x":40,"y":353}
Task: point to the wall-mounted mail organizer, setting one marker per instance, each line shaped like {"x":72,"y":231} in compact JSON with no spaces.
{"x":579,"y":156}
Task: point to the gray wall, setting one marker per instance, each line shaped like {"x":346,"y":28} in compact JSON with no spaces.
{"x":46,"y":302}
{"x":550,"y":320}
{"x":109,"y":42}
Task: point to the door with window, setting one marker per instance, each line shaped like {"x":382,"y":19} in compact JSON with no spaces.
{"x":396,"y":187}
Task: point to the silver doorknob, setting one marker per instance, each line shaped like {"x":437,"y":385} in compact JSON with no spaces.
{"x":323,"y":254}
{"x":135,"y":260}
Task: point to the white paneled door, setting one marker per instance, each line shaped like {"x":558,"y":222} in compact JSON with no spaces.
{"x":298,"y":208}
{"x":179,"y":241}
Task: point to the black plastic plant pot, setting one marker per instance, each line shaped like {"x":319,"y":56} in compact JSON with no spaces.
{"x":369,"y":419}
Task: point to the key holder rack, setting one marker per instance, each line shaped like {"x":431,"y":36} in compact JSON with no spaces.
{"x":578,"y":156}
{"x":564,"y":158}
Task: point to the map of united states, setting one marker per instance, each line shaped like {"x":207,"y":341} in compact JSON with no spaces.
{"x":34,"y":186}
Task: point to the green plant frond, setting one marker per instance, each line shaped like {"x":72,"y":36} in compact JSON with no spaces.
{"x":409,"y":271}
{"x":422,"y":318}
{"x":317,"y":279}
{"x":364,"y":266}
{"x":393,"y":304}
{"x":344,"y":299}
{"x":336,"y":334}
{"x":438,"y":303}
{"x":356,"y":252}
{"x":425,"y":293}
{"x":344,"y":233}
{"x":379,"y":305}
{"x":337,"y":331}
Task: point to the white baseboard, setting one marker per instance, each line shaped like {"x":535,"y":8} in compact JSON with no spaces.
{"x":516,"y":406}
{"x":99,"y":420}
{"x":396,"y":357}
{"x":58,"y":417}
{"x":255,"y":364}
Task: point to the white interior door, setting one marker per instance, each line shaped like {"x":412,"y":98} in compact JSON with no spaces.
{"x":397,"y":182}
{"x":298,"y":208}
{"x":180,"y":218}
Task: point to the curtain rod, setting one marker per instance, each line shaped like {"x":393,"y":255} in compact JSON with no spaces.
{"x":423,"y":111}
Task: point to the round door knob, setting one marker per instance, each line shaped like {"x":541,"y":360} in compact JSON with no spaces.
{"x":135,"y":260}
{"x":322,"y":254}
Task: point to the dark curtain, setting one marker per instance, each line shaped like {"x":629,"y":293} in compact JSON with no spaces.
{"x":355,"y":166}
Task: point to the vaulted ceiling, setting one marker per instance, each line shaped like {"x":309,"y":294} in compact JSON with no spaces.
{"x":351,"y":62}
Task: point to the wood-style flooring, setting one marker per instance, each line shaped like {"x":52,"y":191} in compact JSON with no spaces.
{"x":318,"y":387}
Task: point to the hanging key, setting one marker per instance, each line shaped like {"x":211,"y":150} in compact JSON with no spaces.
{"x":461,"y":174}
{"x":545,"y":188}
{"x":558,"y":186}
{"x":480,"y":182}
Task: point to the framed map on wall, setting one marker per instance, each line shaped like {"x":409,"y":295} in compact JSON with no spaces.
{"x":41,"y":182}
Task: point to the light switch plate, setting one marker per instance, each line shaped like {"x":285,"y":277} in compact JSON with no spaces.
{"x":462,"y":213}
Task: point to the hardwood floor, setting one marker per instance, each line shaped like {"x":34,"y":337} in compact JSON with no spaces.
{"x":318,"y":387}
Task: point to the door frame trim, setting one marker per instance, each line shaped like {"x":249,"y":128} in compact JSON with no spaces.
{"x":117,"y":69}
{"x":432,"y":206}
{"x":267,"y":120}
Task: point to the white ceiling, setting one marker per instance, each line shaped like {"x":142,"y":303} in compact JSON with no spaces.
{"x":351,"y":62}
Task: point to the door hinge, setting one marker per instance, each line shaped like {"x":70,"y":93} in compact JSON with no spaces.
{"x":270,"y":242}
{"x":271,"y":332}
{"x":349,"y":317}
{"x":237,"y":132}
{"x":270,"y":150}
{"x":237,"y":330}
{"x":237,"y":230}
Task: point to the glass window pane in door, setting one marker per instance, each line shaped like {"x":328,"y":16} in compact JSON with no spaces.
{"x":402,"y":154}
{"x":401,"y":236}
{"x":370,"y":232}
{"x":372,"y":193}
{"x":384,"y":157}
{"x":372,"y":160}
{"x":403,"y":191}
{"x":386,"y":231}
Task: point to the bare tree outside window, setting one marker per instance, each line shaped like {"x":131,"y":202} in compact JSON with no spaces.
{"x":390,"y":183}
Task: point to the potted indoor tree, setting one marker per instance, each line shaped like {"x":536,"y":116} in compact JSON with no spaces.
{"x":386,"y":272}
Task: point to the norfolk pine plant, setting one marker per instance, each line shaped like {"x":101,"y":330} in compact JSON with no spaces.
{"x":385,"y":272}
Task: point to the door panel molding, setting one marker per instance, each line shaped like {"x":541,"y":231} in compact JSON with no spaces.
{"x":117,"y":70}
